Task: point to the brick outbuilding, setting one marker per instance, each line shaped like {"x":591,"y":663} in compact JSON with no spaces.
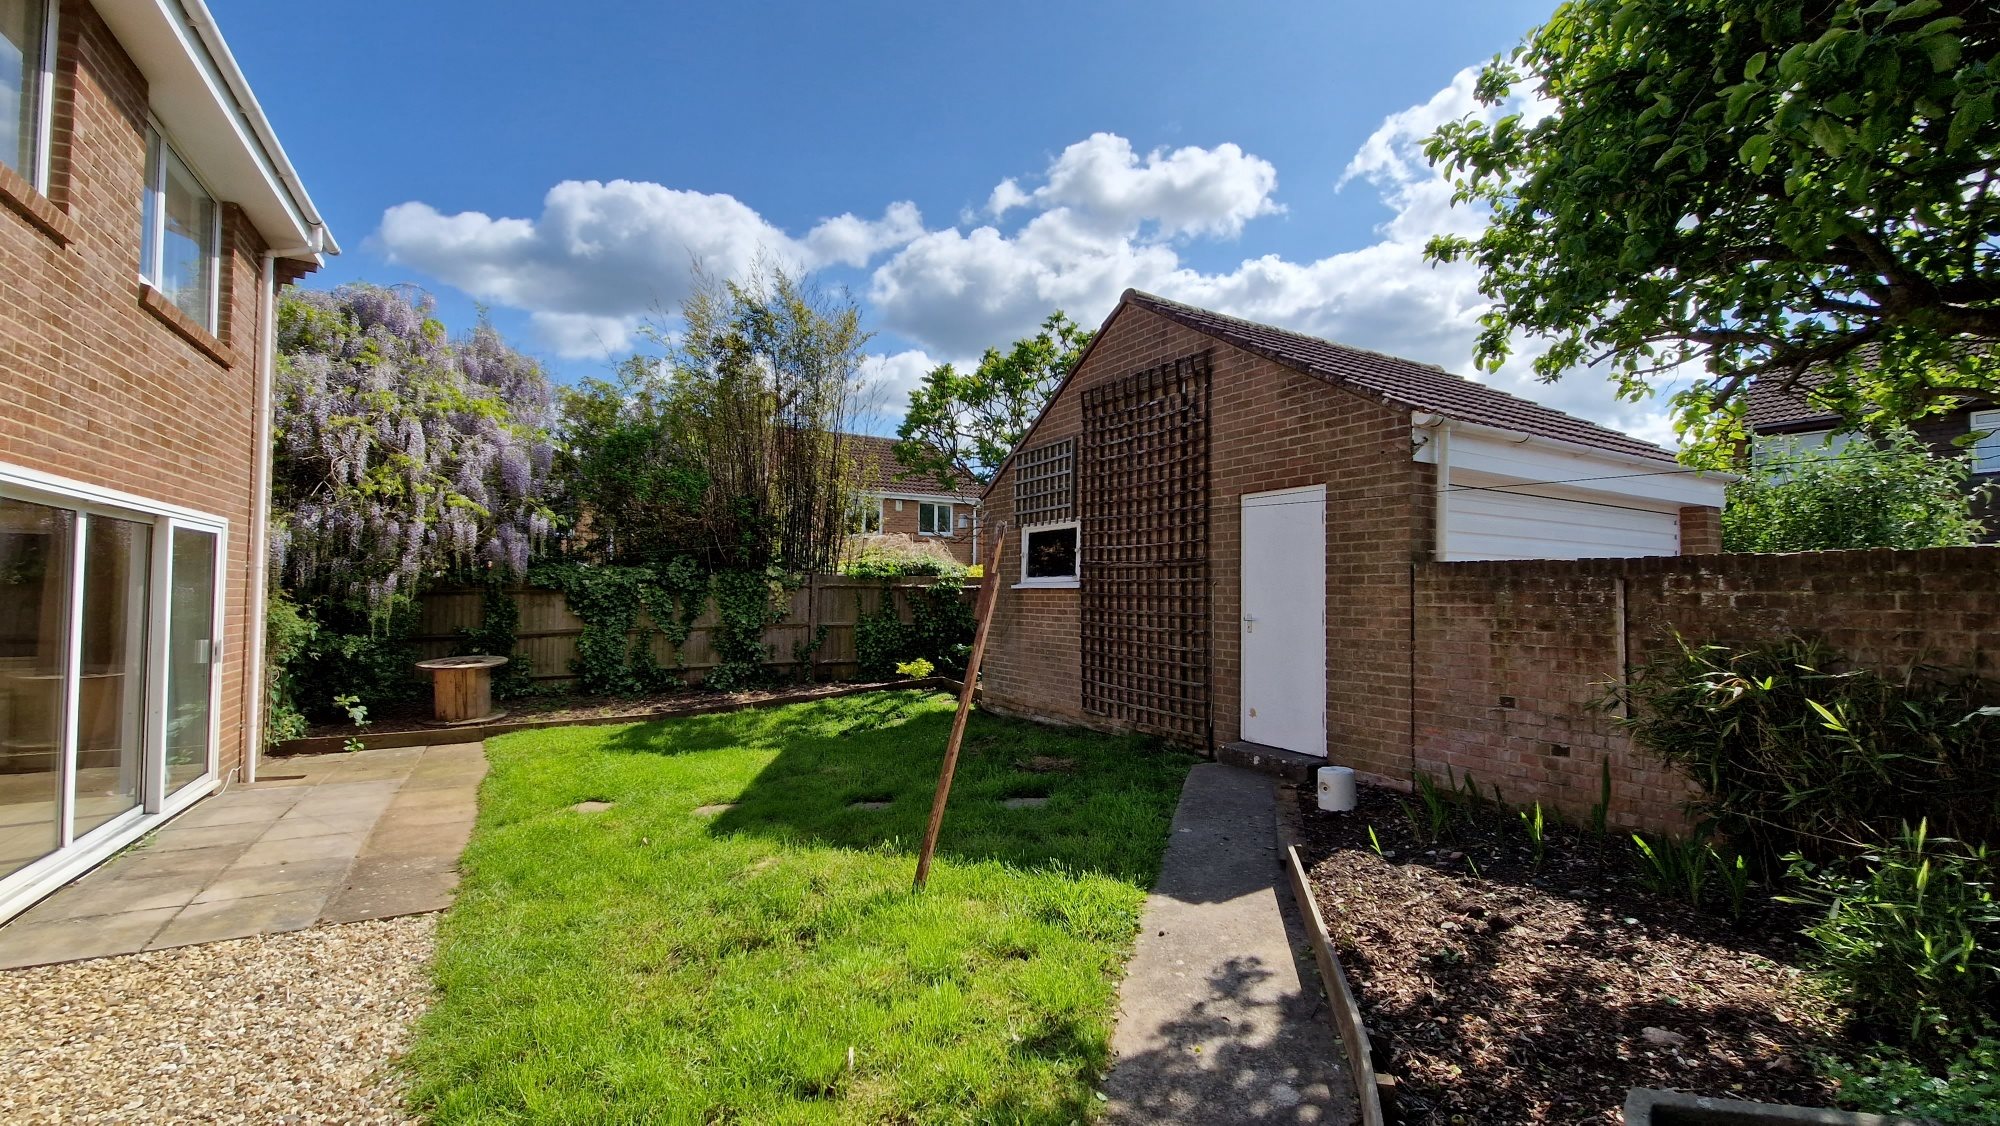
{"x":1212,"y":530}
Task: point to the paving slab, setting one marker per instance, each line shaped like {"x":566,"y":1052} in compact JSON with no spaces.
{"x":1220,"y":1020}
{"x":354,"y":836}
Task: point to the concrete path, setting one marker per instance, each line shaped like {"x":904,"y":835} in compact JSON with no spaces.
{"x":1220,"y":1019}
{"x":323,"y":839}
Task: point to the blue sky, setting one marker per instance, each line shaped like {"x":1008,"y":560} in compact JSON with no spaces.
{"x":563,"y":167}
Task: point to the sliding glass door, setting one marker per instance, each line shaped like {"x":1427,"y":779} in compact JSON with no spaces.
{"x":109,"y":646}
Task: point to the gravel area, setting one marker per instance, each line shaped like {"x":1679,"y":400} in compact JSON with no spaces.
{"x":288,"y":1028}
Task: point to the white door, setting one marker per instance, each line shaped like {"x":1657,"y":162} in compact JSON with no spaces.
{"x":1284,"y":619}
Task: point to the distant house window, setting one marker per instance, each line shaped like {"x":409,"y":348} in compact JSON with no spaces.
{"x":1779,"y":452}
{"x":933,"y":519}
{"x":183,"y":235}
{"x":865,"y":517}
{"x":26,"y":36}
{"x":1045,"y":483}
{"x":1050,"y":555}
{"x":1986,"y":449}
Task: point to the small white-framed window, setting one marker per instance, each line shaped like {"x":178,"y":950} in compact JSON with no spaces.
{"x":864,"y":516}
{"x":1986,"y":448}
{"x":933,"y":519}
{"x":1051,"y":555}
{"x":27,"y":86}
{"x":181,"y":255}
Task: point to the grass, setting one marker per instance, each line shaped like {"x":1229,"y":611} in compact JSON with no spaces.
{"x":770,"y":963}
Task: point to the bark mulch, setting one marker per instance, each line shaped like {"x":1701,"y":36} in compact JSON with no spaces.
{"x":1519,"y":995}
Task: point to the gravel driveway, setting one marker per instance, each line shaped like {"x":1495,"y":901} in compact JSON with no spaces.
{"x":288,"y":1028}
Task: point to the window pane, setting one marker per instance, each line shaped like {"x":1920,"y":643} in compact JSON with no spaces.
{"x":187,"y":251}
{"x":934,"y":519}
{"x":111,"y":709}
{"x":1052,"y":554}
{"x":20,"y":83}
{"x":35,"y":543}
{"x":190,"y":656}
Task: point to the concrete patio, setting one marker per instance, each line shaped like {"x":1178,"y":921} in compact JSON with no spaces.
{"x":322,"y":839}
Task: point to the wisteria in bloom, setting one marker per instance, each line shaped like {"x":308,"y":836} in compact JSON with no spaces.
{"x":400,"y":453}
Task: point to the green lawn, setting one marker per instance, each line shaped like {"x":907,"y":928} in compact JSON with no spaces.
{"x":648,"y":964}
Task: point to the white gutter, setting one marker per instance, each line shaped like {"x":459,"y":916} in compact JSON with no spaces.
{"x":1516,"y":437}
{"x":319,"y":240}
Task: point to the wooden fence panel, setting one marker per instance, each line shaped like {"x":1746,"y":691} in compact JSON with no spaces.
{"x":548,"y":631}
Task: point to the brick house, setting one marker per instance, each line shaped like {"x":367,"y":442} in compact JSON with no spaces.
{"x":149,"y":217}
{"x":1213,"y":530}
{"x":893,"y":501}
{"x":1785,"y":421}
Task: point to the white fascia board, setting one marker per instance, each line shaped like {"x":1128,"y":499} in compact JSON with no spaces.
{"x":929,"y":498}
{"x":1504,"y":455}
{"x":198,"y":94}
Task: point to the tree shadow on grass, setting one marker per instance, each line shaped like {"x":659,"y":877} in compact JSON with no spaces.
{"x":859,"y":772}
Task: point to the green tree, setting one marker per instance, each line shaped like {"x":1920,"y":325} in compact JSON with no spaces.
{"x":631,"y":493}
{"x":961,"y":425}
{"x":1896,"y":494}
{"x":1761,"y":187}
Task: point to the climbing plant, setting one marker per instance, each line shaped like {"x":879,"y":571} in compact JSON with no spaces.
{"x":498,"y":634}
{"x":614,"y":653}
{"x":746,"y":604}
{"x":939,"y":630}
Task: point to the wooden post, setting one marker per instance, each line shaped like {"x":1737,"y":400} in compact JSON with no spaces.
{"x":988,"y":598}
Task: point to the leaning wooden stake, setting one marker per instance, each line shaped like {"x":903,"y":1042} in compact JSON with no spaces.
{"x":989,"y":595}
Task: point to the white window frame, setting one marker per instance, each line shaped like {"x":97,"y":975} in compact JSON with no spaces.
{"x":75,"y":855}
{"x":1051,"y":582}
{"x":41,"y":85}
{"x":950,"y":513}
{"x":861,"y":506}
{"x":1986,"y":451}
{"x":153,"y":248}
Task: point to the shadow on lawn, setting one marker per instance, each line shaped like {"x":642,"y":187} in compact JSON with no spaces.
{"x":1107,"y":800}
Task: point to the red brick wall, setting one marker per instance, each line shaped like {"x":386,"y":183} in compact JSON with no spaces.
{"x":97,"y":388}
{"x":1271,"y":428}
{"x":905,"y":523}
{"x":1514,"y":657}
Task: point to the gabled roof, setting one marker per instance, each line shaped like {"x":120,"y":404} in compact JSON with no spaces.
{"x":1769,"y":406}
{"x":880,"y":472}
{"x":1406,"y":383}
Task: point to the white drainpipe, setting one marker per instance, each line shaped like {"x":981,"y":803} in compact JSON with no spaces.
{"x":260,"y":509}
{"x":1439,"y":428}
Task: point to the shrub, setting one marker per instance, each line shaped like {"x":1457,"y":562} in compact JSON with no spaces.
{"x":1795,"y":755}
{"x":939,"y":631}
{"x":1963,"y":1091}
{"x":288,"y":633}
{"x":1897,"y":494}
{"x":1911,"y":935}
{"x":898,"y":557}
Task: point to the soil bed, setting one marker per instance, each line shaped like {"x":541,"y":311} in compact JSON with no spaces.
{"x":1524,"y":996}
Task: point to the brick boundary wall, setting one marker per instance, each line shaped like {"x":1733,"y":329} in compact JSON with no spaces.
{"x":1515,"y":659}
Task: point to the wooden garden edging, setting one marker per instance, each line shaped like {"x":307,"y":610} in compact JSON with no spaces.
{"x":1369,"y":1085}
{"x":428,"y":736}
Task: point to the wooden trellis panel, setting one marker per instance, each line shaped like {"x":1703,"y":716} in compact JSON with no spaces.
{"x":1045,"y":484}
{"x":1143,"y":496}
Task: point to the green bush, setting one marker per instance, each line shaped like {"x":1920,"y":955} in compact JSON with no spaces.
{"x":288,"y":633}
{"x":1910,"y":935}
{"x":1963,"y":1091}
{"x":939,"y":631}
{"x":1793,"y":754}
{"x":1896,"y":494}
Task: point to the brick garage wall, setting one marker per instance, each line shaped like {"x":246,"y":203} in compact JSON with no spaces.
{"x":97,"y":388}
{"x":1271,"y":428}
{"x":1513,"y":658}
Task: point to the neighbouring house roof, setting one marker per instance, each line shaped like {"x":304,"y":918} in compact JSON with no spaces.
{"x":204,"y":103}
{"x":1406,"y":383}
{"x":1768,"y":406}
{"x":882,"y":474}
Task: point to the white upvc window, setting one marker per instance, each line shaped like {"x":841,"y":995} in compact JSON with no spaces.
{"x":181,"y":255}
{"x":933,"y":519}
{"x":1051,"y":555}
{"x":27,"y":87}
{"x":864,"y":517}
{"x":1986,"y":449}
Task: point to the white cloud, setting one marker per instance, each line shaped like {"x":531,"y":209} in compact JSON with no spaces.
{"x":1189,"y":191}
{"x":604,"y":253}
{"x":585,"y":336}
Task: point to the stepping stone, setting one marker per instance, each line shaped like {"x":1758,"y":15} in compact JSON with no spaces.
{"x":1025,"y":803}
{"x":714,"y":810}
{"x":872,"y":805}
{"x":591,"y":806}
